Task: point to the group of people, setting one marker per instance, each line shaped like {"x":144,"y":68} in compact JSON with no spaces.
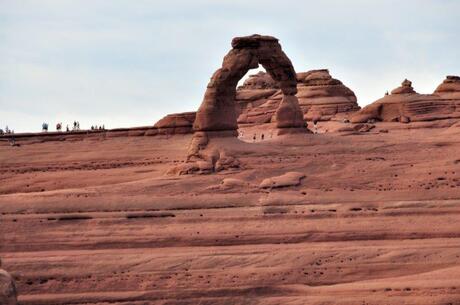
{"x":59,"y":126}
{"x":75,"y":127}
{"x":254,"y":137}
{"x":262,"y":137}
{"x":6,"y":131}
{"x":95,"y":127}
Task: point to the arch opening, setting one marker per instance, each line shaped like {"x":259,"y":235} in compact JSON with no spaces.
{"x":218,"y":113}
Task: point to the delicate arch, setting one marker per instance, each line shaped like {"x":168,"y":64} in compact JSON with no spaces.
{"x":218,"y":112}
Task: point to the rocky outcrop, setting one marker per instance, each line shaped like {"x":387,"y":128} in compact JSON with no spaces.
{"x":8,"y":294}
{"x":255,"y":91}
{"x":176,"y":123}
{"x":405,"y":105}
{"x":285,"y":180}
{"x":451,"y":85}
{"x":218,"y":112}
{"x":405,"y":88}
{"x":217,"y":115}
{"x":320,"y":97}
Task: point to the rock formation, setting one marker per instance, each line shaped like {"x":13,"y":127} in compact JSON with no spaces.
{"x":254,"y":92}
{"x":218,"y":112}
{"x":217,"y":115}
{"x":176,"y":123}
{"x":450,"y":86}
{"x":285,"y":180}
{"x":405,"y":105}
{"x":320,"y":97}
{"x":7,"y":288}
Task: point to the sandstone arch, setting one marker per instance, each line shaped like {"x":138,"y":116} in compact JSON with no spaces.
{"x":217,"y":111}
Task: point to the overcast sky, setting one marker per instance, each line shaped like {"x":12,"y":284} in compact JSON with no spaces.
{"x":128,"y":63}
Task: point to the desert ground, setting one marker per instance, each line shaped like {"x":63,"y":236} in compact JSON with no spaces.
{"x":98,"y":219}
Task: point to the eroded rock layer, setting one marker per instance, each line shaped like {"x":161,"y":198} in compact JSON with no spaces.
{"x":255,"y":91}
{"x":7,"y":288}
{"x":176,"y":123}
{"x":320,"y":97}
{"x":405,"y":105}
{"x":374,"y":220}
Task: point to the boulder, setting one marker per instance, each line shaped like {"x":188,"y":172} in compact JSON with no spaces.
{"x":230,"y":184}
{"x":405,"y":88}
{"x":285,"y":180}
{"x":8,"y":294}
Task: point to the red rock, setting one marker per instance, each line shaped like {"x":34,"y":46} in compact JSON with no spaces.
{"x":320,"y":97}
{"x":450,"y":85}
{"x":218,"y":112}
{"x":176,"y":123}
{"x":255,"y":91}
{"x":405,"y":105}
{"x":285,"y":180}
{"x":405,"y":88}
{"x":8,"y":295}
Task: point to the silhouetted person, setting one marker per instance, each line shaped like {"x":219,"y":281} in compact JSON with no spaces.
{"x":67,"y":128}
{"x":262,"y":137}
{"x":13,"y":142}
{"x":254,"y":138}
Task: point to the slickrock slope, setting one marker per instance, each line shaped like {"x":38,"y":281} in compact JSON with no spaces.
{"x":405,"y":105}
{"x":97,"y":221}
{"x":320,"y":96}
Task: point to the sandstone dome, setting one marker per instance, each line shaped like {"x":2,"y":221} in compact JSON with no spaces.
{"x":404,"y":104}
{"x":320,"y":96}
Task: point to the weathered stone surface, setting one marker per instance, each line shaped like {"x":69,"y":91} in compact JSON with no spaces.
{"x":405,"y":105}
{"x":218,"y":112}
{"x":449,"y":87}
{"x":254,"y":92}
{"x":320,"y":97}
{"x":405,"y":88}
{"x":176,"y":123}
{"x":8,"y":294}
{"x":285,"y":180}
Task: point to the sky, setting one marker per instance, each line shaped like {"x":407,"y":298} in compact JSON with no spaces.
{"x":128,"y":63}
